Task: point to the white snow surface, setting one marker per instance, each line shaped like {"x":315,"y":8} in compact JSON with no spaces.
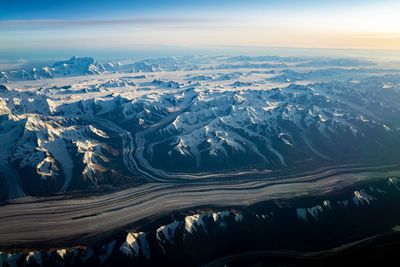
{"x":90,"y":120}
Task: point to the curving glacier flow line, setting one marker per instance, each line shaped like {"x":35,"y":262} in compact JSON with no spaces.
{"x":65,"y":220}
{"x":126,"y":137}
{"x":143,"y":166}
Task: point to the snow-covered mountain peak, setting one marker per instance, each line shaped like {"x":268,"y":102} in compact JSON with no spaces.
{"x":191,"y":118}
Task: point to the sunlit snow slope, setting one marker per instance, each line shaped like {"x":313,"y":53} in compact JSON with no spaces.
{"x":82,"y":124}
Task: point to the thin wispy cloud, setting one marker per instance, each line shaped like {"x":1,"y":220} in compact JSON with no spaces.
{"x":32,"y":23}
{"x":340,"y":24}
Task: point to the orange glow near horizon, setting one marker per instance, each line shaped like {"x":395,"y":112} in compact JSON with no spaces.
{"x":374,"y":26}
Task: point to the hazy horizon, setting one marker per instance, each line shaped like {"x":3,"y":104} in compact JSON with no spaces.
{"x":140,"y":53}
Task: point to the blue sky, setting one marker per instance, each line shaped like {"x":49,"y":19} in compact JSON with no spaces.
{"x":89,"y":9}
{"x":40,"y":27}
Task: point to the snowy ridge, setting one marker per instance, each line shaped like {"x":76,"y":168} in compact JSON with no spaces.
{"x":136,"y":245}
{"x":268,"y":124}
{"x":188,"y":118}
{"x":206,"y":227}
{"x":52,"y":148}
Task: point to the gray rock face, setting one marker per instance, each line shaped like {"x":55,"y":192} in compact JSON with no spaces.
{"x":3,"y":88}
{"x":176,"y":124}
